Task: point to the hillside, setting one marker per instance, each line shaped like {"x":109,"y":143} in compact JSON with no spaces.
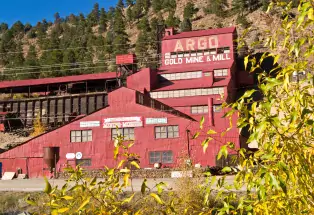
{"x":79,"y":44}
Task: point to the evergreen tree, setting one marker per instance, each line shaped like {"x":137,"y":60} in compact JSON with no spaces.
{"x":129,"y":14}
{"x":57,"y":18}
{"x":3,"y":27}
{"x":172,"y":20}
{"x":93,"y":17}
{"x":157,"y":5}
{"x":143,"y":40}
{"x":102,"y":21}
{"x":129,"y":3}
{"x":17,"y":28}
{"x":169,"y":5}
{"x":32,"y":61}
{"x":27,"y":27}
{"x":120,"y":4}
{"x":189,"y":10}
{"x":121,"y":40}
{"x":186,"y":25}
{"x":216,"y":7}
{"x":239,"y":6}
{"x":110,"y":13}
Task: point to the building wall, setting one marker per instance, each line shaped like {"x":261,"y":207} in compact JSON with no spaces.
{"x":122,"y":103}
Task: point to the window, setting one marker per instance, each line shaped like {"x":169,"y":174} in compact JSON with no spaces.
{"x":181,"y":75}
{"x":200,"y":53}
{"x":217,"y":108}
{"x":173,"y":55}
{"x":161,"y":157}
{"x":226,"y":49}
{"x":83,"y":162}
{"x":81,"y":136}
{"x":207,"y":74}
{"x":189,"y":92}
{"x":220,"y":50}
{"x":180,"y":54}
{"x":298,"y":76}
{"x":231,"y":160}
{"x":167,"y":55}
{"x":220,"y":72}
{"x":199,"y":109}
{"x":163,"y":132}
{"x":140,"y":98}
{"x":127,"y":133}
{"x":152,"y":103}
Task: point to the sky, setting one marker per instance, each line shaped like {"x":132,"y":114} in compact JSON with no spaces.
{"x":33,"y":11}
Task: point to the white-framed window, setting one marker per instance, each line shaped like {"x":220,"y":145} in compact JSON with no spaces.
{"x":199,"y":109}
{"x":164,"y":132}
{"x":226,"y":50}
{"x":127,"y":133}
{"x":83,"y":162}
{"x":160,"y":157}
{"x":140,"y":98}
{"x":217,"y":108}
{"x":188,"y":92}
{"x":182,"y":75}
{"x":167,"y":55}
{"x":220,"y":72}
{"x":212,"y":51}
{"x":80,"y":136}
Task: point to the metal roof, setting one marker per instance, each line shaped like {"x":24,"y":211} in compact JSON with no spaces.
{"x":201,"y":33}
{"x":65,"y":79}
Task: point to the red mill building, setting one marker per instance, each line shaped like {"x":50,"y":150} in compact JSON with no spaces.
{"x":160,"y":109}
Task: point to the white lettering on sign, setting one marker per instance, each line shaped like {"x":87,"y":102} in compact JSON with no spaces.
{"x":199,"y":59}
{"x":112,"y":125}
{"x":89,"y":124}
{"x":124,"y":119}
{"x":156,"y":121}
{"x":200,"y":43}
{"x":123,"y":122}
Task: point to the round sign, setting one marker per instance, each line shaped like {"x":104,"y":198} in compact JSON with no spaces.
{"x":78,"y":155}
{"x":70,"y":155}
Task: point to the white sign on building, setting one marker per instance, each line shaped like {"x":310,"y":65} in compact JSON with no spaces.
{"x":89,"y":124}
{"x":123,"y":122}
{"x":151,"y":121}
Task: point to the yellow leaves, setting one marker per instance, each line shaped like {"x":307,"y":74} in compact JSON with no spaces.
{"x":134,"y":163}
{"x":84,"y":203}
{"x":311,"y":14}
{"x":157,"y":198}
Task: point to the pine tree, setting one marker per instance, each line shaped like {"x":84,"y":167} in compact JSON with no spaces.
{"x":186,"y":25}
{"x":17,"y":28}
{"x":32,"y":61}
{"x":27,"y":27}
{"x":120,"y":4}
{"x":142,"y":43}
{"x":129,"y":14}
{"x":239,"y":6}
{"x":3,"y":27}
{"x":129,"y":3}
{"x":110,"y":13}
{"x":121,"y":40}
{"x":93,"y":17}
{"x":172,"y":20}
{"x":57,"y":18}
{"x":157,"y":5}
{"x":189,"y":10}
{"x":102,"y":21}
{"x":216,"y":7}
{"x":169,"y":5}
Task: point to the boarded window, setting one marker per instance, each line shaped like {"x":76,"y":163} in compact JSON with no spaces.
{"x":81,"y":136}
{"x":161,"y":157}
{"x":163,"y":132}
{"x":83,"y":162}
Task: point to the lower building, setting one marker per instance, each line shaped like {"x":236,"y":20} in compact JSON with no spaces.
{"x":161,"y":134}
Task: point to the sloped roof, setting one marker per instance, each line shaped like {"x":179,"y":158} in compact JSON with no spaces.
{"x":65,"y":79}
{"x":201,"y":33}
